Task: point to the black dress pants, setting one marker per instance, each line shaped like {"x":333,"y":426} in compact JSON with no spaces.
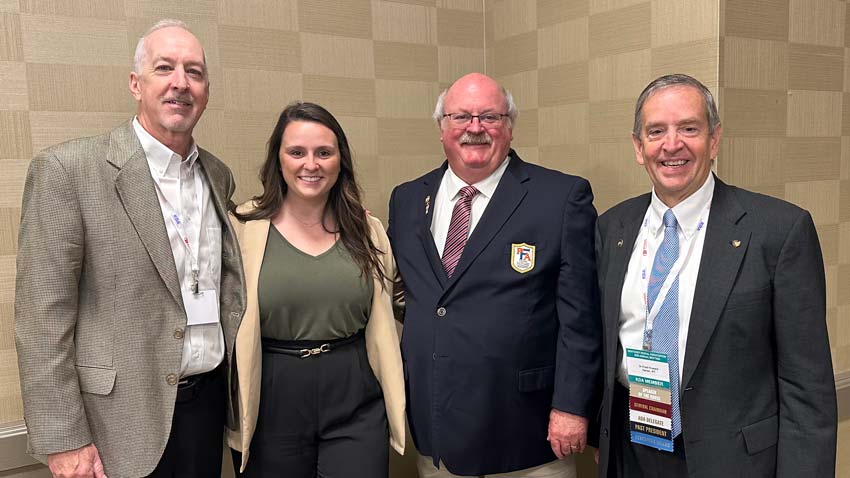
{"x":631,"y":460}
{"x":320,"y":416}
{"x":196,"y":441}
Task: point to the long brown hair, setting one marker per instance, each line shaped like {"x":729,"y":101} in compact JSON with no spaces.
{"x":344,"y":198}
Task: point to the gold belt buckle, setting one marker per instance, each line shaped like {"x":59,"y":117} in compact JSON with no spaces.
{"x":316,"y":351}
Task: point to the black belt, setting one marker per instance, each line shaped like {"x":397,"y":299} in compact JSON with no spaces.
{"x":307,"y":348}
{"x":198,"y":380}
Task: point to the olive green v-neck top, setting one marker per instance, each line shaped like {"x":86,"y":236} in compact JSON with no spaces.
{"x":304,"y":297}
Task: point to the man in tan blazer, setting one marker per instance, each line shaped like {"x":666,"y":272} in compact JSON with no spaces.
{"x":129,"y":284}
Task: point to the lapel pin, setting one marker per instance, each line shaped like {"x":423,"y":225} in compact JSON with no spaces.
{"x":427,"y":204}
{"x":735,"y":243}
{"x":620,"y":243}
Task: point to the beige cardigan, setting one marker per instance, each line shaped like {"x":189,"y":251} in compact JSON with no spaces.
{"x":382,"y":342}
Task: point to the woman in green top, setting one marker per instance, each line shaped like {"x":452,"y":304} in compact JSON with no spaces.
{"x":318,"y":365}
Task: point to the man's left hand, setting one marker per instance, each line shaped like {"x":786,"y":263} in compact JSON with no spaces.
{"x":567,"y":433}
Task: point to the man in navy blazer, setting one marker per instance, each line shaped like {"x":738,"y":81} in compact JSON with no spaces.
{"x":755,"y":384}
{"x":501,"y":347}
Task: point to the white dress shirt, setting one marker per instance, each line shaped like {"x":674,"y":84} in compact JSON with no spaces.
{"x":692,"y":216}
{"x":183,"y":189}
{"x":449,"y":193}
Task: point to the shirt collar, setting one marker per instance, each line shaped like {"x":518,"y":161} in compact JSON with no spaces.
{"x":689,"y":213}
{"x":486,"y":186}
{"x":162,"y":160}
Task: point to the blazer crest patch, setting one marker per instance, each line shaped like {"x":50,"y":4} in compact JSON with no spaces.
{"x":522,"y":257}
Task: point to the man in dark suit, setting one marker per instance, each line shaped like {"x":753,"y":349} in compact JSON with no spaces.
{"x":501,"y":331}
{"x":728,"y":286}
{"x":130,"y":286}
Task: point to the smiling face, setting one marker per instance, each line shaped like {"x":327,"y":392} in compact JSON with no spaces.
{"x":675,"y":145}
{"x":172,"y":87}
{"x":309,"y":161}
{"x":474,"y":151}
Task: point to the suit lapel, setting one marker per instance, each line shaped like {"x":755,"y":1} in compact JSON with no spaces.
{"x":622,"y":243}
{"x":721,"y":259}
{"x":508,"y":195}
{"x":137,"y":191}
{"x":424,"y":210}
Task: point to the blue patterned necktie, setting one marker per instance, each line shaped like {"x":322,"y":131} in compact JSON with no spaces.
{"x":665,"y":328}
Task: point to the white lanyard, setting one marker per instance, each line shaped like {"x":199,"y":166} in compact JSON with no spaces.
{"x":651,"y":314}
{"x":192,"y":245}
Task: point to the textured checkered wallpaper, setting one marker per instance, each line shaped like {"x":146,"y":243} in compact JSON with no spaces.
{"x":577,"y":67}
{"x":780,"y":70}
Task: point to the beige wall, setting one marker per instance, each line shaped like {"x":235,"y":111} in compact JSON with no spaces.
{"x":780,"y":70}
{"x":576,"y":68}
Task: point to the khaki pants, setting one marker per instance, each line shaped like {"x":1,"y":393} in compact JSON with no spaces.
{"x":565,"y":468}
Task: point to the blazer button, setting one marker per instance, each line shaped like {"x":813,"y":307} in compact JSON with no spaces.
{"x":605,"y":433}
{"x":441,"y":312}
{"x":171,"y":379}
{"x":178,"y":334}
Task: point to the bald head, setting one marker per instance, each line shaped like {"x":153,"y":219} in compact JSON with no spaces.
{"x":475,"y":81}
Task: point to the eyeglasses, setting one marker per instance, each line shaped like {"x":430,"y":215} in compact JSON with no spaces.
{"x":463,"y":119}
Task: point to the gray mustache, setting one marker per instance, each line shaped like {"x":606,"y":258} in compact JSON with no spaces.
{"x":483,"y":138}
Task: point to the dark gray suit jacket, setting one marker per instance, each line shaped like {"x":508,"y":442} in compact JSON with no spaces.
{"x":758,"y":393}
{"x":97,"y":300}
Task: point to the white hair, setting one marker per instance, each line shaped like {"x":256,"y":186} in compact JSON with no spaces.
{"x":141,"y":50}
{"x":439,"y":109}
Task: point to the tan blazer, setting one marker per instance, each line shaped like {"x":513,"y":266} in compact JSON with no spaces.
{"x":99,"y":316}
{"x":382,"y":343}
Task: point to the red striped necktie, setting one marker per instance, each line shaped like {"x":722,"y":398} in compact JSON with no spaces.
{"x":458,"y":229}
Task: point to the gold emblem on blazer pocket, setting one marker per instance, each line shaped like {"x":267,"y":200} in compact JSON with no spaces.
{"x":522,"y":257}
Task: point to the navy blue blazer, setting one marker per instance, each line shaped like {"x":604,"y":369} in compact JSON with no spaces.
{"x":490,"y":351}
{"x":758,"y":395}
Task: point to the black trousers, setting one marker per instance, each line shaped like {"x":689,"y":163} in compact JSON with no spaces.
{"x":320,"y":416}
{"x":630,"y":460}
{"x":195,"y":444}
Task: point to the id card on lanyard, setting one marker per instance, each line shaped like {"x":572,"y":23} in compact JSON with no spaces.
{"x":650,"y":399}
{"x":650,"y":415}
{"x":201,"y":305}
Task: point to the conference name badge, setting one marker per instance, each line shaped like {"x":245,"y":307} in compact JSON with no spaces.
{"x":522,"y":257}
{"x":650,"y":407}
